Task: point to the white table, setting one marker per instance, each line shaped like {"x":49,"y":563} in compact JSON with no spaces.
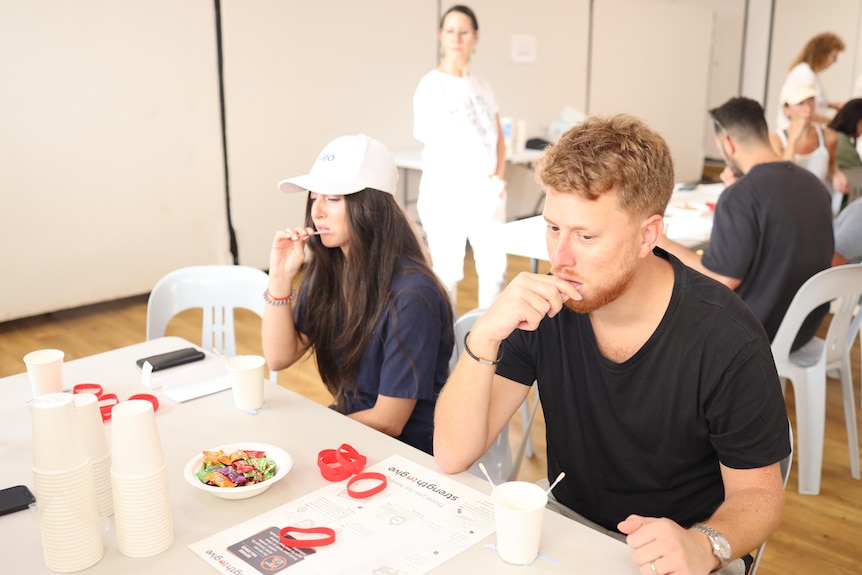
{"x":407,"y":160}
{"x":688,"y":221}
{"x":298,"y":425}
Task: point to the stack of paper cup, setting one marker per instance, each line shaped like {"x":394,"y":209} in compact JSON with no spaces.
{"x":96,"y":443}
{"x":65,"y":494}
{"x":139,"y":477}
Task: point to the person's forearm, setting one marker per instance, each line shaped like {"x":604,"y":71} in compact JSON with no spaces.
{"x":461,"y":416}
{"x":389,"y":415}
{"x":747,"y":518}
{"x":282,"y":343}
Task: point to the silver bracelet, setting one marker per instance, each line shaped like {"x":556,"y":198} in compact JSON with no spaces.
{"x":279,"y":301}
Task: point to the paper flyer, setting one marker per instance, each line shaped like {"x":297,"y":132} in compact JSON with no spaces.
{"x":419,"y":521}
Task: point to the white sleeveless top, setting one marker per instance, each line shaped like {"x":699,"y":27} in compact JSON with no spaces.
{"x":817,"y":161}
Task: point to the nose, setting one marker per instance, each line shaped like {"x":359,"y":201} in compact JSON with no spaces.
{"x":560,"y":252}
{"x":318,"y":208}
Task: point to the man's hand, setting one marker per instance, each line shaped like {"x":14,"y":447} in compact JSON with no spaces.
{"x":669,"y":547}
{"x":523,"y":304}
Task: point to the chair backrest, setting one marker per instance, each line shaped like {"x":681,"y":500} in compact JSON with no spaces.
{"x":217,"y":290}
{"x":462,"y":325}
{"x":843,"y":283}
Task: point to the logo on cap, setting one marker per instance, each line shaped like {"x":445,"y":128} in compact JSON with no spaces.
{"x":326,"y":158}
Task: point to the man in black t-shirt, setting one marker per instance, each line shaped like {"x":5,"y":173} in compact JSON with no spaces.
{"x":772,"y":228}
{"x":660,"y":394}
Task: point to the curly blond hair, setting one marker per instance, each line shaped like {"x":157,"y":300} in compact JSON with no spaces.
{"x":618,"y":153}
{"x":817,"y":50}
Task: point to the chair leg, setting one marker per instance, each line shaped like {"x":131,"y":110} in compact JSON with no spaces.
{"x":810,"y":398}
{"x":525,"y":416}
{"x":850,"y":417}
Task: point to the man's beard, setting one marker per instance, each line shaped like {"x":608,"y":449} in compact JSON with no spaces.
{"x":604,"y":295}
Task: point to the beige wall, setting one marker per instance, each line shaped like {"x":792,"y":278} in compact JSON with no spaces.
{"x":110,"y":136}
{"x":110,"y":154}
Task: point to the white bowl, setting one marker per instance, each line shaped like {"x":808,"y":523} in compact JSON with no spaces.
{"x":283,"y":463}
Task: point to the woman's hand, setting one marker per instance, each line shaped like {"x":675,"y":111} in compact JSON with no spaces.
{"x":286,"y":257}
{"x":498,"y":185}
{"x":839,"y":182}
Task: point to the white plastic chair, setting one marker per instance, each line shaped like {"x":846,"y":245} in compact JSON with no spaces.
{"x":499,"y":461}
{"x":806,"y":367}
{"x":217,"y":290}
{"x":785,"y":474}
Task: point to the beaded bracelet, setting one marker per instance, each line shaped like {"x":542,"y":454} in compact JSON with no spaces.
{"x":278,"y":300}
{"x":479,"y":359}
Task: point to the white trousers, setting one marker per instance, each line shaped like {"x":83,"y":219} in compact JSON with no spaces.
{"x":452,"y":216}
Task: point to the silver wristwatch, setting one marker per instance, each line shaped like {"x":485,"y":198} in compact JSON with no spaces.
{"x":720,"y":544}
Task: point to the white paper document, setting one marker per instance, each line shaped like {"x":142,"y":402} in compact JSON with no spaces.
{"x":419,"y":521}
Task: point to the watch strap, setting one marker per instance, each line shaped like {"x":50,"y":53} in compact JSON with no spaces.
{"x":720,"y":544}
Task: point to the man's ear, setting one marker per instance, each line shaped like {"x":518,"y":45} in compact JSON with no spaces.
{"x":652,"y":230}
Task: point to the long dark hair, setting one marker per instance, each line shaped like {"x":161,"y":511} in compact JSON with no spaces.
{"x":348,"y":296}
{"x":847,"y":118}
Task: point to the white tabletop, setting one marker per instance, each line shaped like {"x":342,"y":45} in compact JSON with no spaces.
{"x":688,"y":221}
{"x":412,"y":159}
{"x":296,"y":424}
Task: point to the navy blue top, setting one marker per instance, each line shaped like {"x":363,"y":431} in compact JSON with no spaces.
{"x":408,"y":355}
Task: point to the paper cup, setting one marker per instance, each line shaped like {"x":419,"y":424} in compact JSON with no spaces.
{"x":90,"y":425}
{"x":45,"y":368}
{"x":57,"y":445}
{"x":519,"y":508}
{"x":246,"y":380}
{"x":136,"y":448}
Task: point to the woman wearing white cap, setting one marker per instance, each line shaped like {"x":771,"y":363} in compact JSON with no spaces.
{"x":462,"y":191}
{"x":369,"y":305}
{"x":805,"y":143}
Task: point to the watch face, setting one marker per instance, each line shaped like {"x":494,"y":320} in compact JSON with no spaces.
{"x":722,"y":547}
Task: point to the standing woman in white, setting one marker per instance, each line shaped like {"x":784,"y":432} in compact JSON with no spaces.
{"x":462,"y":191}
{"x":819,"y":53}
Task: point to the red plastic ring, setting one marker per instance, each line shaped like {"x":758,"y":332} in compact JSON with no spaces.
{"x":350,"y":458}
{"x":147,"y":397}
{"x":106,"y":404}
{"x":93,"y":388}
{"x":328,"y":539}
{"x":368,"y":492}
{"x":330,"y":467}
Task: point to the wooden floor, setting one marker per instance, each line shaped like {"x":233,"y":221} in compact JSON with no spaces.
{"x":819,"y":534}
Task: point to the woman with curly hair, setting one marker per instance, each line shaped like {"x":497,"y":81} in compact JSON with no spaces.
{"x":819,"y":53}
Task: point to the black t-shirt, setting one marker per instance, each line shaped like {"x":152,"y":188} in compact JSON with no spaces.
{"x":773,"y":230}
{"x":646,"y":436}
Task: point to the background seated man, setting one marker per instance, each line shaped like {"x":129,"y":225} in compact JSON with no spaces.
{"x":660,"y":394}
{"x":772,"y":228}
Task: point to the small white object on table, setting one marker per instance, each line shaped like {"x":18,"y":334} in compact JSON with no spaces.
{"x":301,"y":427}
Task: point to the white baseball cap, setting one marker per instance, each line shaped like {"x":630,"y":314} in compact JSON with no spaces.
{"x":347,"y":165}
{"x":796,"y":93}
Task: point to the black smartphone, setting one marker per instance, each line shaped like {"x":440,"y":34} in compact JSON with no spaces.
{"x":172,"y":358}
{"x":15,"y":498}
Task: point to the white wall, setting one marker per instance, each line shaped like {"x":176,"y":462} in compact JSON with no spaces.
{"x":110,"y":152}
{"x":299,"y":74}
{"x":665,"y":85}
